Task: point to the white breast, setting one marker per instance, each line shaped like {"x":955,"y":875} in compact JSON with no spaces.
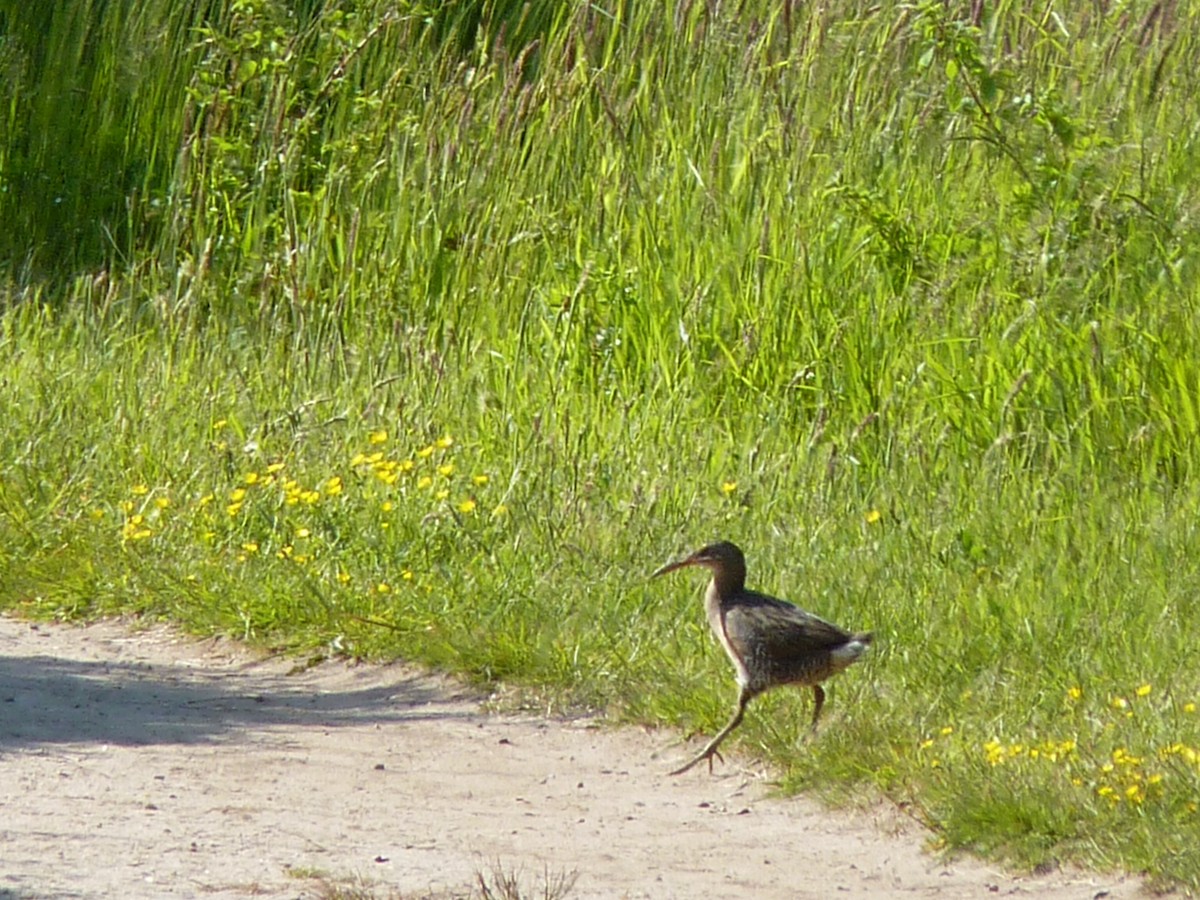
{"x":716,"y":621}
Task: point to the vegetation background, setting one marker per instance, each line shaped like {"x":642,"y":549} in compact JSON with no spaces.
{"x":429,"y":329}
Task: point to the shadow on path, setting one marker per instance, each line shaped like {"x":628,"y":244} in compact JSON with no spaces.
{"x":50,"y":699}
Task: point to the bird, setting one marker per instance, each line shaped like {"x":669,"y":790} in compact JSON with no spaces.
{"x":770,"y":642}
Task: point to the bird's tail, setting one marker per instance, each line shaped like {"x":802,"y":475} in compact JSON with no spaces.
{"x":853,"y":648}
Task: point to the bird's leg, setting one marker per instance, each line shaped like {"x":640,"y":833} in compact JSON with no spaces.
{"x":711,"y":749}
{"x":818,"y":702}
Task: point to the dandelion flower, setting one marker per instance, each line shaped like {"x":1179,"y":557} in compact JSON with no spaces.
{"x":728,"y":487}
{"x":1143,"y":690}
{"x":407,"y":575}
{"x":424,"y":482}
{"x":1189,"y":707}
{"x":1118,"y":703}
{"x":333,"y":486}
{"x":378,"y":437}
{"x":873,"y":516}
{"x":251,"y":478}
{"x":383,"y":587}
{"x":1075,"y":692}
{"x":479,"y":480}
{"x":250,"y":547}
{"x":426,"y":452}
{"x":441,"y":495}
{"x":139,"y":490}
{"x":237,"y":495}
{"x":446,"y":470}
{"x":343,"y":576}
{"x":444,"y":442}
{"x":467,"y":506}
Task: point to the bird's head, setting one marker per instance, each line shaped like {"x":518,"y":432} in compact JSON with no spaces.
{"x":721,"y":558}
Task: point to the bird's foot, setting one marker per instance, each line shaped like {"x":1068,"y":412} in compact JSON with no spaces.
{"x":707,"y":753}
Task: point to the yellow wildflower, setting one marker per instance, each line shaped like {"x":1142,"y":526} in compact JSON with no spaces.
{"x":424,"y":482}
{"x":251,"y":478}
{"x":162,"y":502}
{"x":467,"y":506}
{"x":333,"y":486}
{"x":1143,"y":690}
{"x":444,"y":442}
{"x":446,"y":470}
{"x":378,"y":437}
{"x":425,"y":452}
{"x":250,"y":547}
{"x":873,"y":516}
{"x":479,"y":480}
{"x":728,"y":487}
{"x":139,"y":490}
{"x":441,"y":495}
{"x":1075,"y":692}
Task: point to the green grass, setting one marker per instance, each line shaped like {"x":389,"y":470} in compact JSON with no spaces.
{"x":904,"y":306}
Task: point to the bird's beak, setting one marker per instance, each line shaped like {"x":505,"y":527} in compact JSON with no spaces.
{"x":678,"y":564}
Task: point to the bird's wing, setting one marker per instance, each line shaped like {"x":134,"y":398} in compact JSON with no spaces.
{"x":763,"y":626}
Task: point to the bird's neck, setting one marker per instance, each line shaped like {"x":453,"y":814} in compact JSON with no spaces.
{"x":728,"y":583}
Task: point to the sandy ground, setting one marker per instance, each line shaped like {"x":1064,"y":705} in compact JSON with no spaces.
{"x":145,"y":764}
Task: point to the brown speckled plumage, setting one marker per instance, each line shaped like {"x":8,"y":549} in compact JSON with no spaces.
{"x":770,"y":642}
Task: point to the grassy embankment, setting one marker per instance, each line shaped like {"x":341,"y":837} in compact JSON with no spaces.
{"x":356,"y":315}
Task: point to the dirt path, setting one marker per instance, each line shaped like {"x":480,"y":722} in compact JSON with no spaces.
{"x":143,"y":764}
